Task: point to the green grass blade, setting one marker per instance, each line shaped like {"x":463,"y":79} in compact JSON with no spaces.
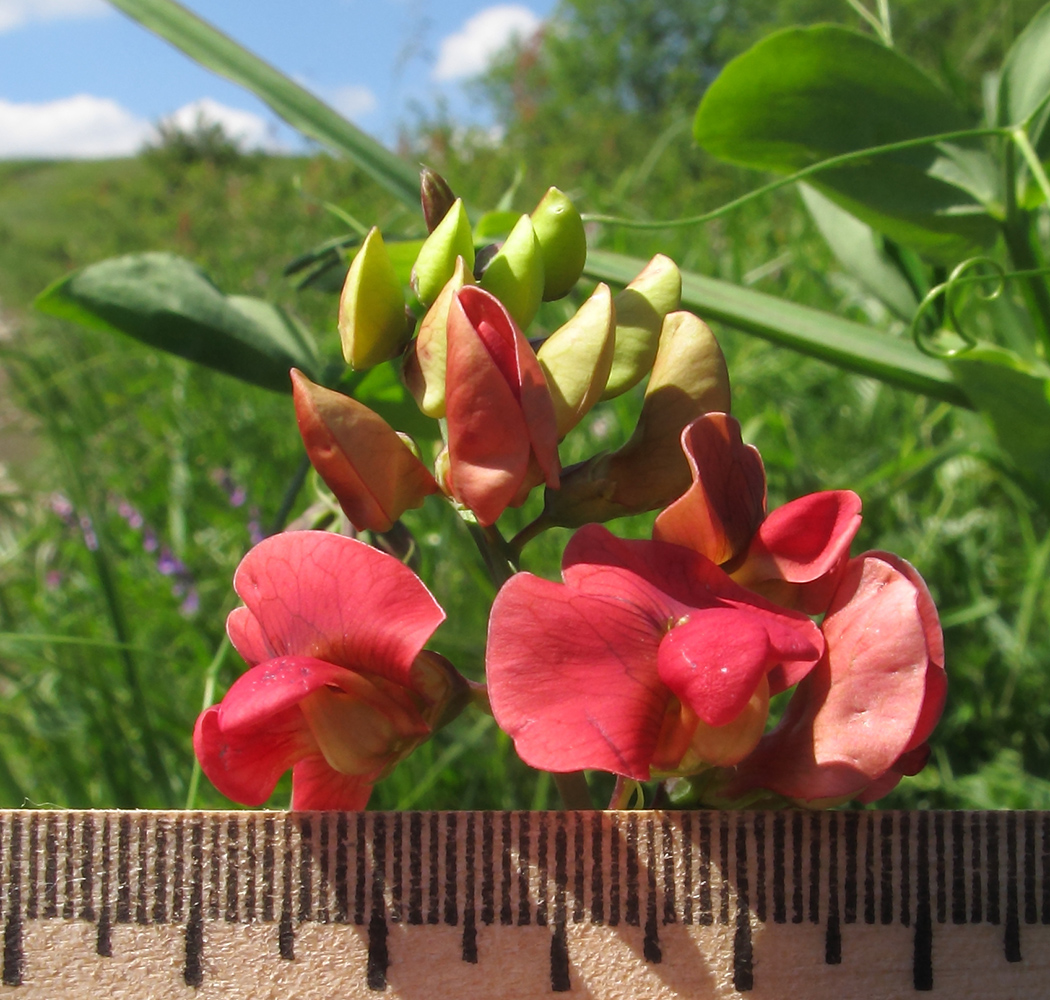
{"x":296,"y":105}
{"x":809,"y":331}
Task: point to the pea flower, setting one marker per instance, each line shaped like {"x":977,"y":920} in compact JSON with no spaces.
{"x":861,"y":719}
{"x":646,"y":661}
{"x":793,"y":556}
{"x":502,"y":431}
{"x":339,"y":687}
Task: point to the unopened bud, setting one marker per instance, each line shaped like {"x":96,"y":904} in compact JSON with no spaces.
{"x":576,"y":359}
{"x":640,"y":311}
{"x":515,"y":274}
{"x":436,"y":197}
{"x":372,"y":324}
{"x":374,"y":475}
{"x":424,"y":366}
{"x":563,"y":243}
{"x":451,"y":239}
{"x":689,"y":379}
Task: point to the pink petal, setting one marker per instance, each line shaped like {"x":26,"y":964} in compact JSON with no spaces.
{"x":245,"y":766}
{"x":273,"y":687}
{"x":686,"y":579}
{"x":488,"y":436}
{"x":806,"y":541}
{"x":715,"y":661}
{"x":936,"y":677}
{"x":719,"y":513}
{"x":323,"y":595}
{"x":247,"y":637}
{"x":315,"y":786}
{"x":573,"y":678}
{"x":854,"y":716}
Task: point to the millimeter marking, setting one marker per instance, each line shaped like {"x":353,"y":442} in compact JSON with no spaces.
{"x":650,"y":878}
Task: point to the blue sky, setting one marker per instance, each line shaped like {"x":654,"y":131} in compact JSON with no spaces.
{"x":79,"y":78}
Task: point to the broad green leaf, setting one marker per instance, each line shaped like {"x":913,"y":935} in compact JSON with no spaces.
{"x":807,"y":94}
{"x":818,"y":334}
{"x":1015,"y":396}
{"x":1025,"y":81}
{"x":296,"y":105}
{"x":169,"y":303}
{"x":859,"y":250}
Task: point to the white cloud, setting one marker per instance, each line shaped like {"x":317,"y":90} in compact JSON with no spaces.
{"x":15,"y":13}
{"x":469,"y":50}
{"x":83,"y":126}
{"x":248,"y":129}
{"x":352,"y":101}
{"x":89,"y":127}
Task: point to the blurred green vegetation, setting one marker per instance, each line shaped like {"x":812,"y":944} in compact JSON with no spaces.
{"x":103,"y":661}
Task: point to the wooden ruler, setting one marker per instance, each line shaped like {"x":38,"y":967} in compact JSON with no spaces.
{"x":522,"y":905}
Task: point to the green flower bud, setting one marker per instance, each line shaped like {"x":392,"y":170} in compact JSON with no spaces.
{"x":689,"y":378}
{"x":563,"y":243}
{"x":576,"y":359}
{"x":436,"y":197}
{"x":515,"y":274}
{"x":372,"y":323}
{"x":423,"y":371}
{"x":640,"y":311}
{"x":437,"y":257}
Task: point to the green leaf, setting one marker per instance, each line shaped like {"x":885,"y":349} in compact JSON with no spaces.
{"x":860,"y":252}
{"x":1015,"y":396}
{"x":1025,"y":81}
{"x":169,"y":303}
{"x":807,"y":94}
{"x":296,"y":105}
{"x":817,"y":334}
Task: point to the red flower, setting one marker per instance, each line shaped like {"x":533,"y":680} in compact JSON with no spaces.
{"x":502,"y":432}
{"x":339,"y":688}
{"x":647,"y":659}
{"x":794,"y":556}
{"x":861,"y":719}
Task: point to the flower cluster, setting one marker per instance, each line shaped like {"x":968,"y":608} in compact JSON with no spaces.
{"x":652,"y":659}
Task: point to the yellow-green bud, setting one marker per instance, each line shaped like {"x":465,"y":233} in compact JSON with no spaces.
{"x":689,"y":379}
{"x":437,"y":257}
{"x":640,"y":311}
{"x":424,"y":366}
{"x":563,"y":243}
{"x":372,"y":323}
{"x":577,"y":357}
{"x":515,"y":274}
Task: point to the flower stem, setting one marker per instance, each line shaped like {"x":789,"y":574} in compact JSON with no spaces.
{"x":290,"y":495}
{"x":500,"y":559}
{"x":532,"y":530}
{"x":572,"y":787}
{"x":210,"y":676}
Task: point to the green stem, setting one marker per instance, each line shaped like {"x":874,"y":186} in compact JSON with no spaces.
{"x":500,"y":561}
{"x":154,"y":759}
{"x":572,"y":787}
{"x":835,"y":161}
{"x":290,"y":495}
{"x":210,"y":676}
{"x":532,"y":530}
